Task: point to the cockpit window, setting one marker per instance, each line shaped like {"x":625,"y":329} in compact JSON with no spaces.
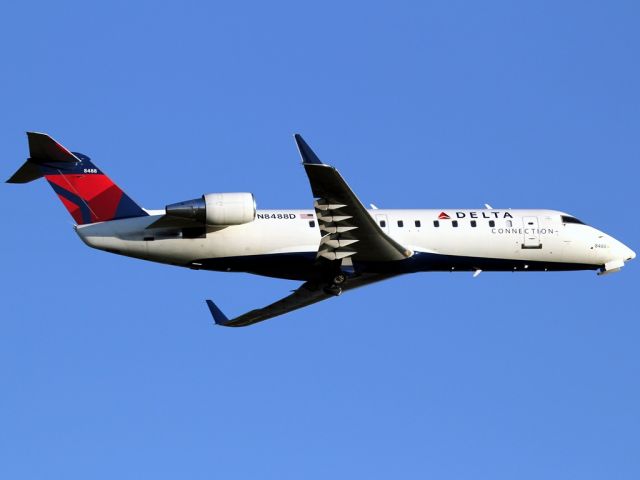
{"x":568,"y":219}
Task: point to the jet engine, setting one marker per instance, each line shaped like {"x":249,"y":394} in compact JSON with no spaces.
{"x":220,"y":209}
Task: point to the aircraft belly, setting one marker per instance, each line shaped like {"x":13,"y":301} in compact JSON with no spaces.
{"x":292,"y":266}
{"x":438,"y":262}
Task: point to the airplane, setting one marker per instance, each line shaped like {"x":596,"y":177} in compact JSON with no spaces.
{"x":337,"y":246}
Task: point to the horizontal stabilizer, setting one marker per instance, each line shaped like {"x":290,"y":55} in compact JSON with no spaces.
{"x":28,"y":172}
{"x":42,"y":150}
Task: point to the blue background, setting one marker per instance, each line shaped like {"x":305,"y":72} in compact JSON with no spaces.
{"x":111,"y":367}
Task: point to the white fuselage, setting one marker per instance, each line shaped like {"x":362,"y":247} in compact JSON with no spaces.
{"x":487,"y":239}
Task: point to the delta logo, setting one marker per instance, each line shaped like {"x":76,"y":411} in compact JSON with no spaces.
{"x":482,"y":214}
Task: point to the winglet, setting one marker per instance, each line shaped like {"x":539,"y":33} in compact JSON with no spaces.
{"x":218,"y":317}
{"x":308,"y":155}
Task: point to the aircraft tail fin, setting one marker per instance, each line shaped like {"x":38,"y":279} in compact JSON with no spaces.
{"x":86,"y":192}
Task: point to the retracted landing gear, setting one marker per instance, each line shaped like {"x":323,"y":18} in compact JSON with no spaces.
{"x":333,"y":290}
{"x":339,"y":279}
{"x":335,"y":287}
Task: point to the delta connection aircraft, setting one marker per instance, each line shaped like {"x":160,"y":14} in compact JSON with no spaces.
{"x":337,"y":246}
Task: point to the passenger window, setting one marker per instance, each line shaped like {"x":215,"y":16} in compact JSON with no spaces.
{"x":492,"y":223}
{"x":400,"y":223}
{"x":436,"y":223}
{"x":509,"y":223}
{"x":454,"y":223}
{"x":417,"y":223}
{"x":473,"y":223}
{"x":312,"y":223}
{"x":383,"y":223}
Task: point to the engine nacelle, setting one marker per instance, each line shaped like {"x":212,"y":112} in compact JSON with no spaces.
{"x":217,"y":209}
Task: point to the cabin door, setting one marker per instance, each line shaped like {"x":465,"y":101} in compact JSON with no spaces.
{"x":531,"y":233}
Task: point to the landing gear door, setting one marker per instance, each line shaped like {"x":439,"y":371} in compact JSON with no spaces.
{"x":382,"y":221}
{"x":531,"y":233}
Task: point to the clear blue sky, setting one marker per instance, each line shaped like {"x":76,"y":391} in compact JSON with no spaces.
{"x":111,"y":367}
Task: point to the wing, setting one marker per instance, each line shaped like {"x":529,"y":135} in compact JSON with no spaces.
{"x":307,"y":294}
{"x":348,"y":228}
{"x":349,"y":234}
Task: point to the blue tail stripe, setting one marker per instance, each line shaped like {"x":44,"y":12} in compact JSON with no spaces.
{"x":84,"y":209}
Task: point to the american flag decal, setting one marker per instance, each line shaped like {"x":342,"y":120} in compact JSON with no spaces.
{"x":306,"y":216}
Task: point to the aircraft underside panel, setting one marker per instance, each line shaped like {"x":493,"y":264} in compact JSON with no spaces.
{"x":300,"y":266}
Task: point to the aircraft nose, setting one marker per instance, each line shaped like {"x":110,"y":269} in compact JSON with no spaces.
{"x":621,"y":251}
{"x":626,"y":252}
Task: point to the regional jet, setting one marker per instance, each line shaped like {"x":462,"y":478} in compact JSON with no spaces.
{"x":337,"y":246}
